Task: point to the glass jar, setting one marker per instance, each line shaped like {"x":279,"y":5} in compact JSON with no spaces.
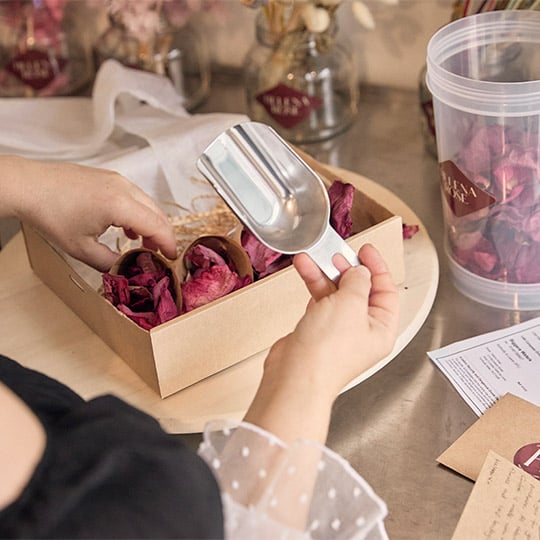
{"x":40,"y":53}
{"x":302,"y":83}
{"x":181,"y":54}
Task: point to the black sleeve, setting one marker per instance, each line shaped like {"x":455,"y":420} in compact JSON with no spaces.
{"x":109,"y":471}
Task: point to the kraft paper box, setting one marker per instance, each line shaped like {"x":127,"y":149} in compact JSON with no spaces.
{"x":198,"y":344}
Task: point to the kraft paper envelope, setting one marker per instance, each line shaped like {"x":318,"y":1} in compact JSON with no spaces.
{"x":503,"y":505}
{"x":511,"y":425}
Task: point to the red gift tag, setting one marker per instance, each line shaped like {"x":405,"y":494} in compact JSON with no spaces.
{"x":35,"y":68}
{"x":528,"y":459}
{"x":463,"y":196}
{"x":287,"y":106}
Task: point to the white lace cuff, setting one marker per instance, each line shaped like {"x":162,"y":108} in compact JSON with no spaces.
{"x":301,"y":491}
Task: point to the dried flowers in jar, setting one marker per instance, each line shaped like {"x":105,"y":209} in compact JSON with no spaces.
{"x":40,"y":50}
{"x":301,"y":75}
{"x":157,"y":36}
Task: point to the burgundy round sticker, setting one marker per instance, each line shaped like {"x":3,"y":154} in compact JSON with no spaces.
{"x":528,"y":459}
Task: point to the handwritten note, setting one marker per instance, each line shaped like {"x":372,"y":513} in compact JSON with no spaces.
{"x":504,"y":504}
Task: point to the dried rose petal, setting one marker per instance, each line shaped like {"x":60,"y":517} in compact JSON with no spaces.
{"x":211,"y":277}
{"x":279,"y":264}
{"x":115,"y":289}
{"x":144,"y":320}
{"x":209,"y":285}
{"x":143,"y":294}
{"x":409,"y":230}
{"x":261,"y":257}
{"x":203,"y":257}
{"x":502,"y":242}
{"x":146,"y":279}
{"x":527,"y":264}
{"x":486,"y":142}
{"x":140,"y":299}
{"x":341,"y":200}
{"x":531,"y":225}
{"x":164,"y":304}
{"x":146,"y":263}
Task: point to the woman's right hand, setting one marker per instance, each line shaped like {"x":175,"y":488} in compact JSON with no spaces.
{"x":346,"y":329}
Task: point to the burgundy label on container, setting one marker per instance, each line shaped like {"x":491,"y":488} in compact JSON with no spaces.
{"x":35,"y":68}
{"x":288,"y":106}
{"x":528,"y":459}
{"x":461,"y":194}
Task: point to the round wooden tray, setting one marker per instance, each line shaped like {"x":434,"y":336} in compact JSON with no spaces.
{"x":39,"y":331}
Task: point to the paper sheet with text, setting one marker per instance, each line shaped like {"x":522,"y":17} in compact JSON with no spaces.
{"x":484,"y":368}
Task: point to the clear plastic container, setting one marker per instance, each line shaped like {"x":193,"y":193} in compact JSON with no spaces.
{"x":484,"y":74}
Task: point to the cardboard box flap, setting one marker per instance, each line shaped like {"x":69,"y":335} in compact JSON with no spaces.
{"x":121,"y":334}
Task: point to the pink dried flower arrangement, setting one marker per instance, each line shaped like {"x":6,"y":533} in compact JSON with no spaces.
{"x":214,"y":267}
{"x":502,"y":241}
{"x":211,"y":276}
{"x":142,"y":289}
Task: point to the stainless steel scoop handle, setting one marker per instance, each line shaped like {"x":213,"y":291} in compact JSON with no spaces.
{"x":324,"y":250}
{"x":280,"y":199}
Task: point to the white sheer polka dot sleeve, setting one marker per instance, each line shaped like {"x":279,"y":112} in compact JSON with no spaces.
{"x":271,"y":491}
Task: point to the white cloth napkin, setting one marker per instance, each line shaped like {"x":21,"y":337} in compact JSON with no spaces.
{"x":134,"y":123}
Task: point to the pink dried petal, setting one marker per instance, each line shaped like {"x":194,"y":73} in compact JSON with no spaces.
{"x":203,"y":257}
{"x":531,"y":225}
{"x":146,"y":297}
{"x":527,"y":264}
{"x":510,"y":180}
{"x":210,"y":285}
{"x":485,"y":260}
{"x":140,"y":299}
{"x":115,"y":289}
{"x":524,"y":157}
{"x":144,"y":320}
{"x":409,"y":231}
{"x":146,"y":279}
{"x":481,"y":259}
{"x":261,"y":257}
{"x":279,"y":264}
{"x":146,"y":263}
{"x":164,"y":304}
{"x":486,"y":144}
{"x":341,"y":200}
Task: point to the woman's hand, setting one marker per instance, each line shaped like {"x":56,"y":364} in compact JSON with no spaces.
{"x":73,"y":205}
{"x":345,"y":331}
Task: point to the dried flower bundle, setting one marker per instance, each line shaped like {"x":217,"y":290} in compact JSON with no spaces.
{"x":144,"y":19}
{"x":284,"y":16}
{"x":463,"y":8}
{"x":142,"y":287}
{"x":500,"y":242}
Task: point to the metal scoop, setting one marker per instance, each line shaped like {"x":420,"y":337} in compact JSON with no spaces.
{"x":274,"y":193}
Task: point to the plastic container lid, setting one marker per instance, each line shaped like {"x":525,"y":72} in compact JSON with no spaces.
{"x":459,"y":49}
